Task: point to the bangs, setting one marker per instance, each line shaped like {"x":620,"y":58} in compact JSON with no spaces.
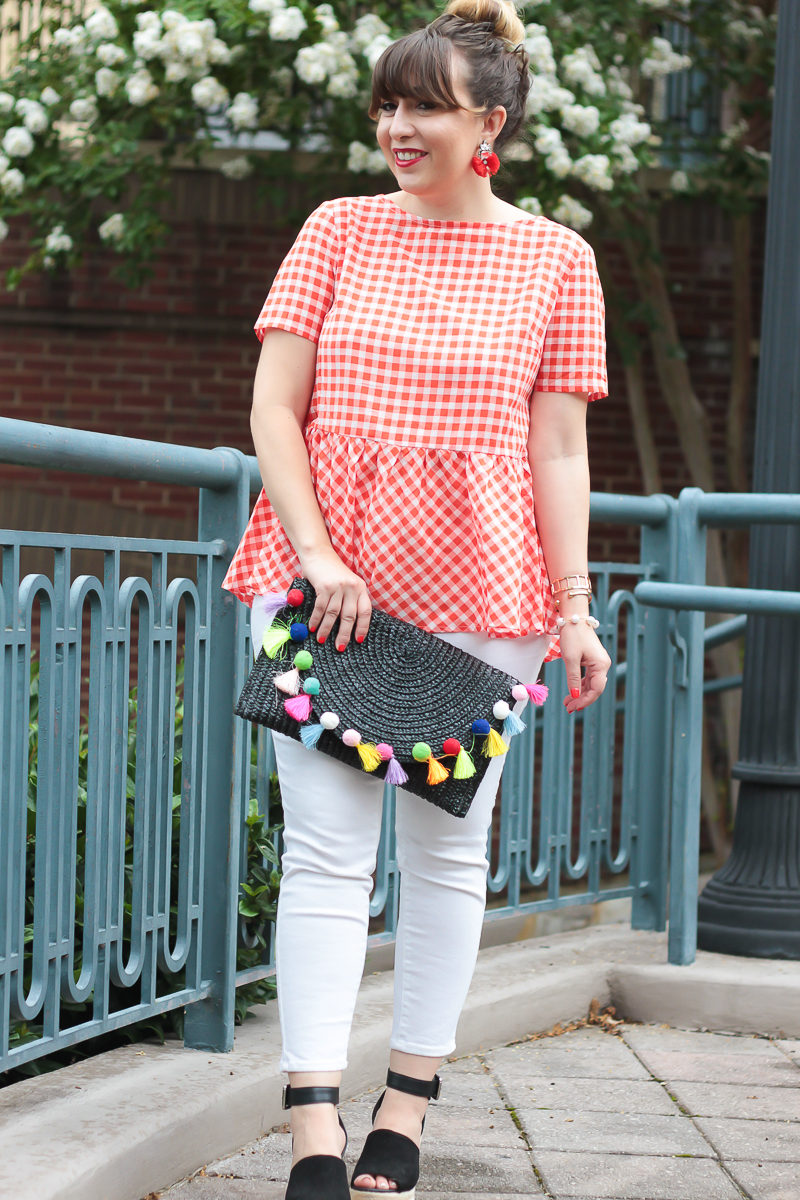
{"x":416,"y":67}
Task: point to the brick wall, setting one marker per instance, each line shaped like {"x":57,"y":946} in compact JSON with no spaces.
{"x":174,"y":360}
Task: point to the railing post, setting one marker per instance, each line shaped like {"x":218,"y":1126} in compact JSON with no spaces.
{"x":687,"y":739}
{"x":649,"y":904}
{"x":208,"y":1023}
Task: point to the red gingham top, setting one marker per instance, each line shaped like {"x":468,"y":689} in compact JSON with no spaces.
{"x":431,"y":337}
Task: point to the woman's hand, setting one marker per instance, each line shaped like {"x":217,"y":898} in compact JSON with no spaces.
{"x":581,"y":648}
{"x":340,"y":594}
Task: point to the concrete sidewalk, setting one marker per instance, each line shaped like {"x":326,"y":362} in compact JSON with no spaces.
{"x":615,"y":1112}
{"x":139,"y":1119}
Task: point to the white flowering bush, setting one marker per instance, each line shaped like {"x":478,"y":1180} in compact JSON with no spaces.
{"x":96,"y":104}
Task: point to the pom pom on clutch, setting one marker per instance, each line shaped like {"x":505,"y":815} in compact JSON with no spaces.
{"x":275,"y":638}
{"x":436,"y":772}
{"x":465,"y":767}
{"x":370,"y":758}
{"x":538,"y":692}
{"x":395,"y":773}
{"x":272,"y":603}
{"x":512,"y":725}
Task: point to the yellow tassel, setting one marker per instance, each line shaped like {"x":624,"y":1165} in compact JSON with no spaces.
{"x":369,"y":756}
{"x":436,"y":772}
{"x":465,"y":767}
{"x":494,"y":744}
{"x":274,"y":639}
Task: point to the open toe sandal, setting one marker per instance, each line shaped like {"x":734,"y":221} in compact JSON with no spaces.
{"x":391,"y":1154}
{"x":318,"y":1176}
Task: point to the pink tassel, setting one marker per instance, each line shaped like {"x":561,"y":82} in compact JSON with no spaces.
{"x":395,"y":773}
{"x":289,"y":682}
{"x":538,"y":692}
{"x":299,"y":707}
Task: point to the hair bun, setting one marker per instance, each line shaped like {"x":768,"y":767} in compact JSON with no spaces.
{"x":501,"y":14}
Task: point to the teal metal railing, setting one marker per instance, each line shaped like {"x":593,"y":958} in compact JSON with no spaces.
{"x":584,"y":809}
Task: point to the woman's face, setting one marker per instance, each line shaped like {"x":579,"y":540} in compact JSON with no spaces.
{"x":446,"y":139}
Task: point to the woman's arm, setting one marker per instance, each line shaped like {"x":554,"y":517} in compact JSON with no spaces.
{"x":282,"y":392}
{"x":560,"y":467}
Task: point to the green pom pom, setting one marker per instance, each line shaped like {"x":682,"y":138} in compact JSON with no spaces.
{"x":421,"y":751}
{"x":302,"y":660}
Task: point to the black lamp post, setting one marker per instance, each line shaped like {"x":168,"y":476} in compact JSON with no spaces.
{"x":752,"y":905}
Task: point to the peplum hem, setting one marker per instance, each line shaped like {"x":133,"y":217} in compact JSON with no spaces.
{"x":443,"y":538}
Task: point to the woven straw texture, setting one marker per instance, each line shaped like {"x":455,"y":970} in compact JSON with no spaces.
{"x":401,"y":685}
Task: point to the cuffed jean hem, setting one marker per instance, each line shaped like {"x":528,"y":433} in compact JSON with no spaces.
{"x":423,"y":1051}
{"x":287,"y":1066}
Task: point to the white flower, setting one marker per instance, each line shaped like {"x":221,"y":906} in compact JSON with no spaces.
{"x":581,"y":119}
{"x":34,"y":115}
{"x":559,"y":162}
{"x":376,"y":47}
{"x":266,"y":7}
{"x":170,"y":18}
{"x":57,"y":240}
{"x":326,"y":17}
{"x":571,"y":212}
{"x":237,"y":168}
{"x":733,"y":134}
{"x":73,"y":39}
{"x":147,"y":43}
{"x":149,"y":20}
{"x":219,"y":52}
{"x":314,"y":64}
{"x":12,"y":182}
{"x":663,"y":59}
{"x":113,"y":228}
{"x":744,"y":32}
{"x":581,"y":69}
{"x":545,"y":95}
{"x":594,"y":171}
{"x":189,"y":41}
{"x":344,"y":84}
{"x":679,"y":181}
{"x":626,"y":161}
{"x":209,"y":93}
{"x":110,"y":54}
{"x":629,"y":130}
{"x":530,"y":204}
{"x":287,"y":25}
{"x":3,"y":230}
{"x":176,"y":72}
{"x":362,"y":159}
{"x":518,"y":152}
{"x":366,"y":29}
{"x":17,"y":142}
{"x":547,"y":139}
{"x":6,"y":102}
{"x":540,"y":52}
{"x":106,"y":81}
{"x":84,"y":109}
{"x":140,"y":88}
{"x":101,"y":26}
{"x":243,"y":112}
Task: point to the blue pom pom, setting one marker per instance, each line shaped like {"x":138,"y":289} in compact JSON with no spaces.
{"x":310,"y":735}
{"x":512,"y":725}
{"x":299,"y":631}
{"x":481,"y":727}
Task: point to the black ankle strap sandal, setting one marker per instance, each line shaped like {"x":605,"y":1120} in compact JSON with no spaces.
{"x":391,"y":1154}
{"x":318,"y":1174}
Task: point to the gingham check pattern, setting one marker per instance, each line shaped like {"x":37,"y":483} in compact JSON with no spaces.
{"x":431,"y":337}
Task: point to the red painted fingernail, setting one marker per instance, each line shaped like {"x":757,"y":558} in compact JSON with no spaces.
{"x":360,"y":637}
{"x":321,"y":641}
{"x":341,"y":648}
{"x":575,"y":693}
{"x":313,"y":628}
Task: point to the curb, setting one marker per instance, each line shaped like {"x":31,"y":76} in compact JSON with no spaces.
{"x":141,"y":1118}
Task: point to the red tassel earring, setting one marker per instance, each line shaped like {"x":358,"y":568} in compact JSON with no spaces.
{"x":485,"y":162}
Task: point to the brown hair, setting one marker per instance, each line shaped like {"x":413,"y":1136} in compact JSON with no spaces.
{"x":486,"y":33}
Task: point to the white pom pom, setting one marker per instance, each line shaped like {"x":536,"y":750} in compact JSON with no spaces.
{"x":501,"y":710}
{"x":329,"y":720}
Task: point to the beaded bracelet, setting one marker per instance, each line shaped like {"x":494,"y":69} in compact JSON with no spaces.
{"x":592,"y":622}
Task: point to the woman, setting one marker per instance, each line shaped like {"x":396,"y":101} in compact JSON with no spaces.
{"x":427,"y":358}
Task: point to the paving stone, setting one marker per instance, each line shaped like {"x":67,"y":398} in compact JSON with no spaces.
{"x":765,"y":1070}
{"x":606,"y":1058}
{"x":600,"y":1133}
{"x":767,"y":1180}
{"x":269,"y":1159}
{"x":633,"y":1177}
{"x":755,"y":1140}
{"x":470,"y":1169}
{"x":790,"y":1047}
{"x":692,"y":1041}
{"x":593,"y":1095}
{"x":738,"y":1100}
{"x":204,"y":1187}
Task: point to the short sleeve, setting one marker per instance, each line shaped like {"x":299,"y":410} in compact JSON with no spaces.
{"x":574,"y":351}
{"x":303,"y":289}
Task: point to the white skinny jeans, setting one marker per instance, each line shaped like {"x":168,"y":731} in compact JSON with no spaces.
{"x":332,"y":824}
